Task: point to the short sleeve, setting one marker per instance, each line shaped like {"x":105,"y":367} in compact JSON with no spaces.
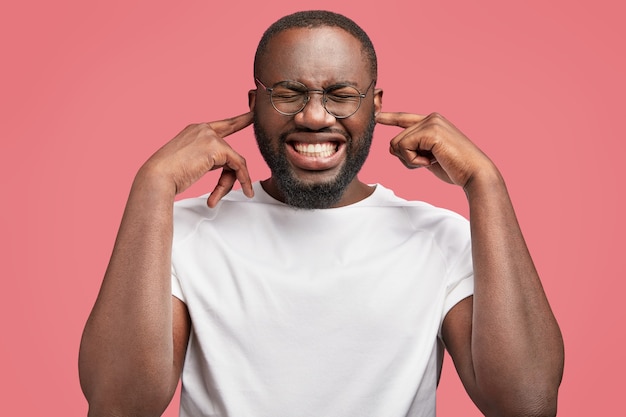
{"x":177,"y":290}
{"x":460,"y":282}
{"x":458,"y":292}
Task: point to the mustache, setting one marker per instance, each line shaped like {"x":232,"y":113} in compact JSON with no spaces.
{"x":283,"y":136}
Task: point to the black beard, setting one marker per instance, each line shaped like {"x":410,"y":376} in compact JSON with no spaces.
{"x":313,"y":196}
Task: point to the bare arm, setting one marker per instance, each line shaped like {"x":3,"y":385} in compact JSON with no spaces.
{"x":512,"y":361}
{"x":134,"y":341}
{"x":504,"y":340}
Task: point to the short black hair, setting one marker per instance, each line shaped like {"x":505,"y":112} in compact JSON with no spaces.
{"x":315,"y":19}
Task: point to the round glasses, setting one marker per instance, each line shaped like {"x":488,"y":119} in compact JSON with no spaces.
{"x":290,"y":97}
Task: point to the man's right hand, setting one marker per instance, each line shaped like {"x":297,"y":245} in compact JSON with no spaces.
{"x":196,"y":150}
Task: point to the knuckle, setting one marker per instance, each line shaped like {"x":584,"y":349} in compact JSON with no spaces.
{"x":213,"y":159}
{"x":241,"y":160}
{"x":204,"y":128}
{"x":195,"y":126}
{"x":435,"y":116}
{"x":187,"y":131}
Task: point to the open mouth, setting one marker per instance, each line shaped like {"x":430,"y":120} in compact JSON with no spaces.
{"x":317,"y":150}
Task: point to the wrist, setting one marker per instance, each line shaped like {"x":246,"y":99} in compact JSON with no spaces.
{"x":485,"y":180}
{"x":153,"y":182}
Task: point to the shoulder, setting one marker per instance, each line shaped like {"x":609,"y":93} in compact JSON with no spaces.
{"x":421,"y":215}
{"x":190,"y":213}
{"x":448,"y":230}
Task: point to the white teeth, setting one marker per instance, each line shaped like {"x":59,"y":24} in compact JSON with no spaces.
{"x":321,"y":150}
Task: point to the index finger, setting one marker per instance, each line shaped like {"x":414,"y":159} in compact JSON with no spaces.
{"x":229,"y":126}
{"x":400,"y":119}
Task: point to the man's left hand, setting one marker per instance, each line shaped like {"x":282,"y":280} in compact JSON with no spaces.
{"x":433,"y":142}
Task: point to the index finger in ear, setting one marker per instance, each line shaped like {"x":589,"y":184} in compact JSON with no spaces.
{"x":229,"y":126}
{"x":400,"y":119}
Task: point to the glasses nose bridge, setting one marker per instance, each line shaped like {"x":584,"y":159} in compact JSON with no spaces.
{"x":309,"y":92}
{"x":307,"y":98}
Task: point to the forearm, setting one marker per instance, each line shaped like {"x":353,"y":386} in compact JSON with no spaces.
{"x":126,"y":354}
{"x":516,"y":345}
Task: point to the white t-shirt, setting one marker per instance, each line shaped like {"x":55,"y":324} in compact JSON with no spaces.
{"x":320,"y":313}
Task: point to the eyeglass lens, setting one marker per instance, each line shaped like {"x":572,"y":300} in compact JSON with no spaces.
{"x":291,"y":97}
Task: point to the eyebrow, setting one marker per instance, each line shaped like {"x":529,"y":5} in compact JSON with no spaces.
{"x":293,"y":85}
{"x":334,"y":85}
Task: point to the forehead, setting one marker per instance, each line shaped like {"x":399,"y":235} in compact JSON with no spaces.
{"x":314,"y":56}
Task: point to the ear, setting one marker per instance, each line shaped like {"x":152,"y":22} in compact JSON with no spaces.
{"x":378,"y":100}
{"x":251,"y":99}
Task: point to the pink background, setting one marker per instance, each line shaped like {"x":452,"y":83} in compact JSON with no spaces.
{"x":90,"y":89}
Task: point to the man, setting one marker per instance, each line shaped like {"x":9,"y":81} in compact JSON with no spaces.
{"x":312,"y":293}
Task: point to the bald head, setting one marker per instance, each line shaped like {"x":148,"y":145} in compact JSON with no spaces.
{"x":316,"y":19}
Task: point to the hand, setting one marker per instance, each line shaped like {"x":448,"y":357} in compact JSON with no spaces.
{"x":433,"y":142}
{"x":198,"y":149}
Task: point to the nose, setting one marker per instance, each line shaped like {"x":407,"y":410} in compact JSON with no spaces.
{"x":314,"y":115}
